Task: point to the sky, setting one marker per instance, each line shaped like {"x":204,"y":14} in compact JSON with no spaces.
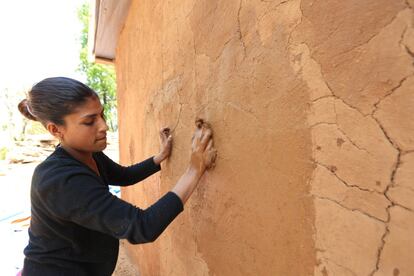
{"x":38,"y":39}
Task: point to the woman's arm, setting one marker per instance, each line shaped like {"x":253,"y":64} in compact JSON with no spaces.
{"x":166,"y":146}
{"x":124,"y":176}
{"x":203,"y":156}
{"x":81,"y":198}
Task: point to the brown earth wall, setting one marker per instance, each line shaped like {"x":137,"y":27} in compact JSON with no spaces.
{"x":311,"y":104}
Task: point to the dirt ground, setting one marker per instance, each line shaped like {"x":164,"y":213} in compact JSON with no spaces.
{"x":124,"y":267}
{"x":15,"y":177}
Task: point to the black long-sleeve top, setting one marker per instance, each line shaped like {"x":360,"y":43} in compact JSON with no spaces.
{"x":76,"y":222}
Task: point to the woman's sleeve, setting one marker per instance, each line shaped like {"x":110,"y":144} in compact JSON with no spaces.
{"x":124,"y":176}
{"x":83,"y":200}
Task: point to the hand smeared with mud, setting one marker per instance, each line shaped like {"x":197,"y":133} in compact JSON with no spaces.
{"x":203,"y":154}
{"x":166,"y":145}
{"x":166,"y":142}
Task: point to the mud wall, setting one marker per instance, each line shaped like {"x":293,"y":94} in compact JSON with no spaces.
{"x":311,"y":103}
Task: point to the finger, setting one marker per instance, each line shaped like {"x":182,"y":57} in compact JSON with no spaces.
{"x":206,"y":138}
{"x":166,"y":131}
{"x":196,"y":142}
{"x":206,"y":124}
{"x":193,"y":142}
{"x":199,"y":123}
{"x":198,"y":134}
{"x":212,"y":159}
{"x":210,"y":144}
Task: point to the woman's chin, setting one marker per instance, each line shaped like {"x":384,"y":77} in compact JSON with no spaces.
{"x":100,"y":145}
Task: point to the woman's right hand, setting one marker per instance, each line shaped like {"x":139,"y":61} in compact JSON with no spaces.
{"x":203,"y":154}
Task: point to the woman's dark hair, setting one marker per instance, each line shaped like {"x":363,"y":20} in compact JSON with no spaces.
{"x":53,"y":98}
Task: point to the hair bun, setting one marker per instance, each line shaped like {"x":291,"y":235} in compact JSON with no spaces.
{"x":25,"y":110}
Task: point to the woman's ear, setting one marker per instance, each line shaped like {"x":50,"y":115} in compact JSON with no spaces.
{"x":55,"y":130}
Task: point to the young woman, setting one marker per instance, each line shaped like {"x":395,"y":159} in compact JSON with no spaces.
{"x":76,"y":222}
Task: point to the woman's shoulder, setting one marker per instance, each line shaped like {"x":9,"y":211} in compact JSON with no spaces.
{"x":59,"y":159}
{"x":57,"y":168}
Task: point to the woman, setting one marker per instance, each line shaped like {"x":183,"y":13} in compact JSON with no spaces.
{"x":76,"y":222}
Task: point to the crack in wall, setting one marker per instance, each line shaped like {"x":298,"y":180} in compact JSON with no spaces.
{"x":272,"y":9}
{"x":378,"y":123}
{"x":323,"y":97}
{"x":352,"y":142}
{"x":343,"y":133}
{"x":178,"y":118}
{"x":296,"y":25}
{"x":347,"y":208}
{"x":360,"y":112}
{"x":403,"y":207}
{"x":333,"y":94}
{"x":338,"y":127}
{"x":370,"y":38}
{"x":409,"y":51}
{"x":322,"y":123}
{"x":239,"y":29}
{"x":195,"y":74}
{"x":402,"y":36}
{"x":343,"y":181}
{"x":236,"y":107}
{"x":386,"y":134}
{"x":342,"y":266}
{"x":389,"y":93}
{"x":381,"y":247}
{"x":401,"y":82}
{"x":391,"y":184}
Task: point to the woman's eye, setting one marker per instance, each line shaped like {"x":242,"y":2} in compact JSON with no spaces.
{"x":89,"y":123}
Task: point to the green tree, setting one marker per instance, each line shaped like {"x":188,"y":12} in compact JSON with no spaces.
{"x":99,"y":77}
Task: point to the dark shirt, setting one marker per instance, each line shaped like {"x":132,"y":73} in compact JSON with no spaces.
{"x":76,"y":222}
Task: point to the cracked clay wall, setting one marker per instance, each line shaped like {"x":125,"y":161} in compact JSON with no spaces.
{"x":311,"y":105}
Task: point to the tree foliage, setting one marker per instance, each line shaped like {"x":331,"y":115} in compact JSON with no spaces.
{"x":99,"y":77}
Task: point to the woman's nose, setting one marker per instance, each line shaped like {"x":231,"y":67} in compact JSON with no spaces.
{"x":103,"y":126}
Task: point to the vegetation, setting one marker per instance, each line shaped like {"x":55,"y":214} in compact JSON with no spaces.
{"x":3,"y":153}
{"x":99,"y":77}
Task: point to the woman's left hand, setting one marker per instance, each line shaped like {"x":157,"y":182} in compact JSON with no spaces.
{"x":166,"y":145}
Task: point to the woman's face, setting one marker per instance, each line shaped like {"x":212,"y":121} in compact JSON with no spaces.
{"x":85,"y":129}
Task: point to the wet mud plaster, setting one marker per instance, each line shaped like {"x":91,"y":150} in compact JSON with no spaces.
{"x":310,"y":102}
{"x":227,"y":62}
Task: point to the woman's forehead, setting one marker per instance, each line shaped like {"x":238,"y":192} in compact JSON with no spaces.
{"x":90,"y":108}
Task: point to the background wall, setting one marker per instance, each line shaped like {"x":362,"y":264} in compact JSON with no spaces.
{"x":310,"y":103}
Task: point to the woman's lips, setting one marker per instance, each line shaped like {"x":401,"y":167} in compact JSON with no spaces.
{"x":102,"y":138}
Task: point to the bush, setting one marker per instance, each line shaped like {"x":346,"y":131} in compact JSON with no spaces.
{"x":3,"y":153}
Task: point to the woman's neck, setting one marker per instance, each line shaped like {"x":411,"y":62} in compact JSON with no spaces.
{"x":82,"y":156}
